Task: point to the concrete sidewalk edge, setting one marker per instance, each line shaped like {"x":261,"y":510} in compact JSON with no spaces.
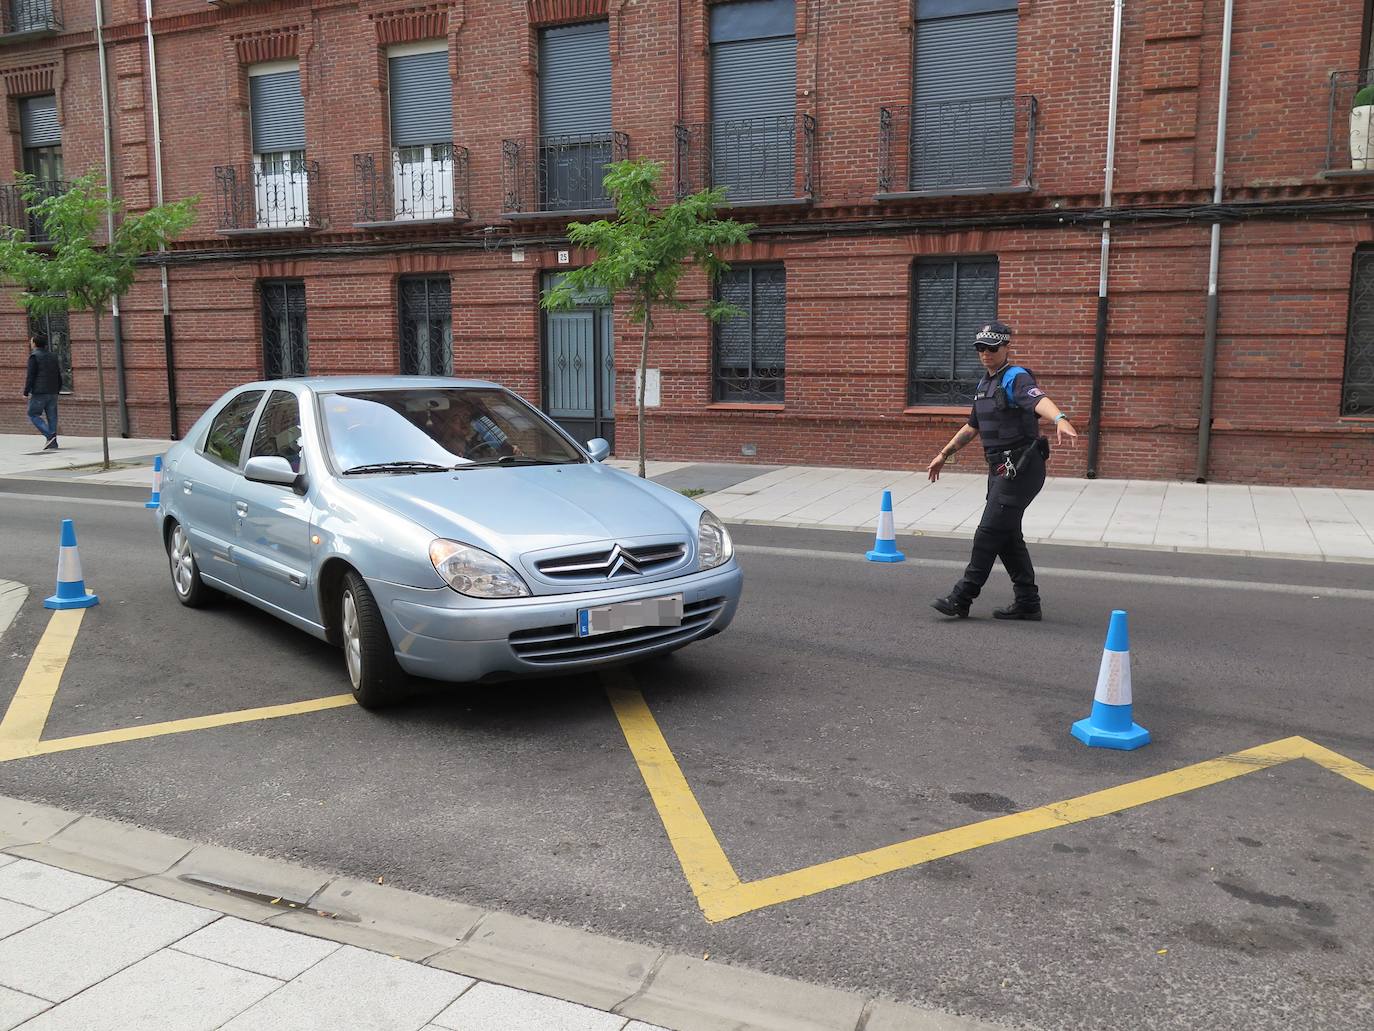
{"x":630,"y":980}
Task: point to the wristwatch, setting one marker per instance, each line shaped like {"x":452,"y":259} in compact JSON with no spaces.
{"x":1061,"y":415}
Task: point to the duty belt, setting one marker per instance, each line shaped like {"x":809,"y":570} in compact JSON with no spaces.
{"x":1010,"y":461}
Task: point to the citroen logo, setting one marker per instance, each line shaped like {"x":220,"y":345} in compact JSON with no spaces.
{"x":618,"y":562}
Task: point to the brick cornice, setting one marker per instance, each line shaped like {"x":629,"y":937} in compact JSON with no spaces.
{"x":560,"y":12}
{"x":30,"y":79}
{"x":275,"y":44}
{"x":411,"y":24}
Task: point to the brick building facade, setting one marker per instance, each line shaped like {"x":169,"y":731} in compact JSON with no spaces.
{"x":898,"y":200}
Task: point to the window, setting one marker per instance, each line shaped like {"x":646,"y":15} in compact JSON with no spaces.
{"x":426,"y":309}
{"x":951,"y":299}
{"x":751,"y":348}
{"x":575,"y":141}
{"x":421,"y":97}
{"x":224,"y":442}
{"x":284,"y":345}
{"x":963,"y":124}
{"x":30,"y":16}
{"x":754,"y":99}
{"x":281,"y":177}
{"x":1357,"y":394}
{"x":279,"y":430}
{"x":41,"y":136}
{"x":54,"y":327}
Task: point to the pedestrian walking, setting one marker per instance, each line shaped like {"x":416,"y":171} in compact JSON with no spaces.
{"x":1006,"y":414}
{"x":42,"y":384}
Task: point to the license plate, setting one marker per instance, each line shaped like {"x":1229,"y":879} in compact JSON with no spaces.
{"x":630,"y":615}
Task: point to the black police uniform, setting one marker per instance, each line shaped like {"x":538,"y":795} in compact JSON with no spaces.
{"x":1010,"y":432}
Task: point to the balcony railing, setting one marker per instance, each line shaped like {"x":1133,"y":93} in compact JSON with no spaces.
{"x":273,"y":192}
{"x":756,"y":160}
{"x":1349,"y":129}
{"x":978,"y":145}
{"x":560,"y":173}
{"x":412,"y":184}
{"x":29,"y":17}
{"x":14,"y":210}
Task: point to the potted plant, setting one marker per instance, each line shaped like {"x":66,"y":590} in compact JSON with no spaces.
{"x":1361,"y":119}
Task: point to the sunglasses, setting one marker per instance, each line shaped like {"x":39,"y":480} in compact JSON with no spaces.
{"x":980,"y":347}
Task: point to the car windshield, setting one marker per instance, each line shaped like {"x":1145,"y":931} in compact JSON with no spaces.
{"x":436,"y":430}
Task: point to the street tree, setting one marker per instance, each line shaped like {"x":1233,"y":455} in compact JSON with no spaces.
{"x":645,"y":250}
{"x":74,"y":267}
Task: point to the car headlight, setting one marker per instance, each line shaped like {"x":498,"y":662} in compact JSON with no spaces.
{"x":714,"y":546}
{"x":473,"y":572}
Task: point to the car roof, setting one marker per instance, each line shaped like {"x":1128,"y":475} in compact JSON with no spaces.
{"x":324,"y":384}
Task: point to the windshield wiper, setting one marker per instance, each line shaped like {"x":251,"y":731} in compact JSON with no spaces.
{"x":515,"y":460}
{"x":397,"y":467}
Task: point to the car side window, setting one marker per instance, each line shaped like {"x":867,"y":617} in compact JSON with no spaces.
{"x":224,"y":442}
{"x":279,"y":430}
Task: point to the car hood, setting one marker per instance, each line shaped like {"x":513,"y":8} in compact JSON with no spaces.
{"x":515,"y":510}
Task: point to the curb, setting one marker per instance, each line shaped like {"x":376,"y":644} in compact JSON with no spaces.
{"x":634,"y":981}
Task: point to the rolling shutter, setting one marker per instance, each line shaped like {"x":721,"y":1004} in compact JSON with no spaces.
{"x":278,"y":112}
{"x":575,"y":79}
{"x":421,"y":99}
{"x":964,"y":122}
{"x":38,"y":121}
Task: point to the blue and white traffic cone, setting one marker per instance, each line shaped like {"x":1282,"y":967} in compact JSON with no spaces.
{"x":71,"y":588}
{"x":1111,"y":724}
{"x":156,"y":500}
{"x":885,"y":547}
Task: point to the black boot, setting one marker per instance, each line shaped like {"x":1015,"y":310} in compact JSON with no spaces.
{"x":1018,"y":610}
{"x":951,"y":605}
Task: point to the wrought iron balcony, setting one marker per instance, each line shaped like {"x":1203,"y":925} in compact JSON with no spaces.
{"x":273,"y":192}
{"x":1349,"y":129}
{"x":977,"y":145}
{"x":15,"y":211}
{"x":560,"y":173}
{"x":26,"y":18}
{"x":412,"y":184}
{"x":757,"y":160}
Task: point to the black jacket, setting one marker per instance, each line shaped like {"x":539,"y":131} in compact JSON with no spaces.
{"x":44,"y":375}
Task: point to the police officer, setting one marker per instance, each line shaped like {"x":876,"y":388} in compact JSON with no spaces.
{"x":1007,"y":407}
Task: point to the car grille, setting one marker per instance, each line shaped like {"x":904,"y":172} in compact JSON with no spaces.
{"x":556,"y":645}
{"x":614,"y":562}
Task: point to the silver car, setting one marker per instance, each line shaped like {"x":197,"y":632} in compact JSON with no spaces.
{"x":445,"y":528}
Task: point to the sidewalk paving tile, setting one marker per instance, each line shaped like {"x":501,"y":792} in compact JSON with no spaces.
{"x":357,"y":990}
{"x":14,"y":917}
{"x":262,"y":950}
{"x":6,"y":860}
{"x":168,"y":991}
{"x":47,"y":887}
{"x":639,"y":1025}
{"x":54,"y":960}
{"x":1090,"y":514}
{"x":1231,"y":520}
{"x":16,"y":1007}
{"x":494,"y":1007}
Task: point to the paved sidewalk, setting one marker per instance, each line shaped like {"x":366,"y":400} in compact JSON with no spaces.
{"x":79,"y":458}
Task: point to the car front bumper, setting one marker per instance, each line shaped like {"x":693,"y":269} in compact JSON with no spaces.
{"x":445,"y":636}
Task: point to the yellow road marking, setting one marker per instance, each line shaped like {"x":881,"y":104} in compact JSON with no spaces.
{"x":722,"y":895}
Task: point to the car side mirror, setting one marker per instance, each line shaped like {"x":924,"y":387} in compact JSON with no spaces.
{"x":271,"y":469}
{"x":599,"y":449}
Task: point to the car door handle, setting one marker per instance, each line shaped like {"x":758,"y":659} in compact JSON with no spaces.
{"x":241,"y":507}
{"x":187,"y":486}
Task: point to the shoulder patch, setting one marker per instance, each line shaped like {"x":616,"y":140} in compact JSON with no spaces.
{"x":1035,"y":392}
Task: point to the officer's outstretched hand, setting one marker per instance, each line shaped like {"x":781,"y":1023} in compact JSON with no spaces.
{"x":1063,"y":429}
{"x":936,"y":464}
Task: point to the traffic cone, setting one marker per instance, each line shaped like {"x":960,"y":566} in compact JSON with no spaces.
{"x":1111,"y":724}
{"x":156,"y":500}
{"x":885,"y":547}
{"x":71,"y":588}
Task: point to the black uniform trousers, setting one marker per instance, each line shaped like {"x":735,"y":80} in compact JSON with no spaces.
{"x":999,"y":534}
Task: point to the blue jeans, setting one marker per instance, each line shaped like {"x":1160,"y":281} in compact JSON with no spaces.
{"x":44,"y":407}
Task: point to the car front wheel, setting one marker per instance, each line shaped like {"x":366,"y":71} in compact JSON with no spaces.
{"x":191,"y":590}
{"x":371,"y":661}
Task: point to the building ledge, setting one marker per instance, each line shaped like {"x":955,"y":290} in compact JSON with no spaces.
{"x":1348,"y":173}
{"x":549,"y":216}
{"x":942,"y":410}
{"x":955,"y":191}
{"x":743,"y":406}
{"x":38,"y":32}
{"x":269,"y":231}
{"x":407,"y":223}
{"x":779,"y":202}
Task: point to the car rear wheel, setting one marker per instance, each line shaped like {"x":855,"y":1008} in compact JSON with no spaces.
{"x":191,"y":590}
{"x":368,"y":655}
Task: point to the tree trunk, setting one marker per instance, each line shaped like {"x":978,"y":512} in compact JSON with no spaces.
{"x":643,"y":382}
{"x":100,"y":381}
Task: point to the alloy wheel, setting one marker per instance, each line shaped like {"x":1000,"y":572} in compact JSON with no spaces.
{"x":352,"y":640}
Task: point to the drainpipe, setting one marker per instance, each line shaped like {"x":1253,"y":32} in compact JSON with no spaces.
{"x":174,"y":430}
{"x":121,"y":381}
{"x":1209,"y":342}
{"x":1100,"y":338}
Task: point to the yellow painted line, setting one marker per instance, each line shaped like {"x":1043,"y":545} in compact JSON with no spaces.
{"x":722,"y":895}
{"x":704,"y":862}
{"x":28,"y":711}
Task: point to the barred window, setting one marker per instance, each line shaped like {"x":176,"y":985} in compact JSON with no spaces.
{"x":750,"y":351}
{"x":951,"y":298}
{"x":284,"y":345}
{"x":1357,"y":394}
{"x":426,"y":310}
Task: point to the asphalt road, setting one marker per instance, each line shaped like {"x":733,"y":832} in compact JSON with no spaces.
{"x":838,"y":714}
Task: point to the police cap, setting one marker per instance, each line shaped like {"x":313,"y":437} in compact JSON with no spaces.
{"x":993,"y":335}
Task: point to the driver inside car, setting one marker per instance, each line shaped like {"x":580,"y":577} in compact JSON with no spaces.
{"x":464,"y":430}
